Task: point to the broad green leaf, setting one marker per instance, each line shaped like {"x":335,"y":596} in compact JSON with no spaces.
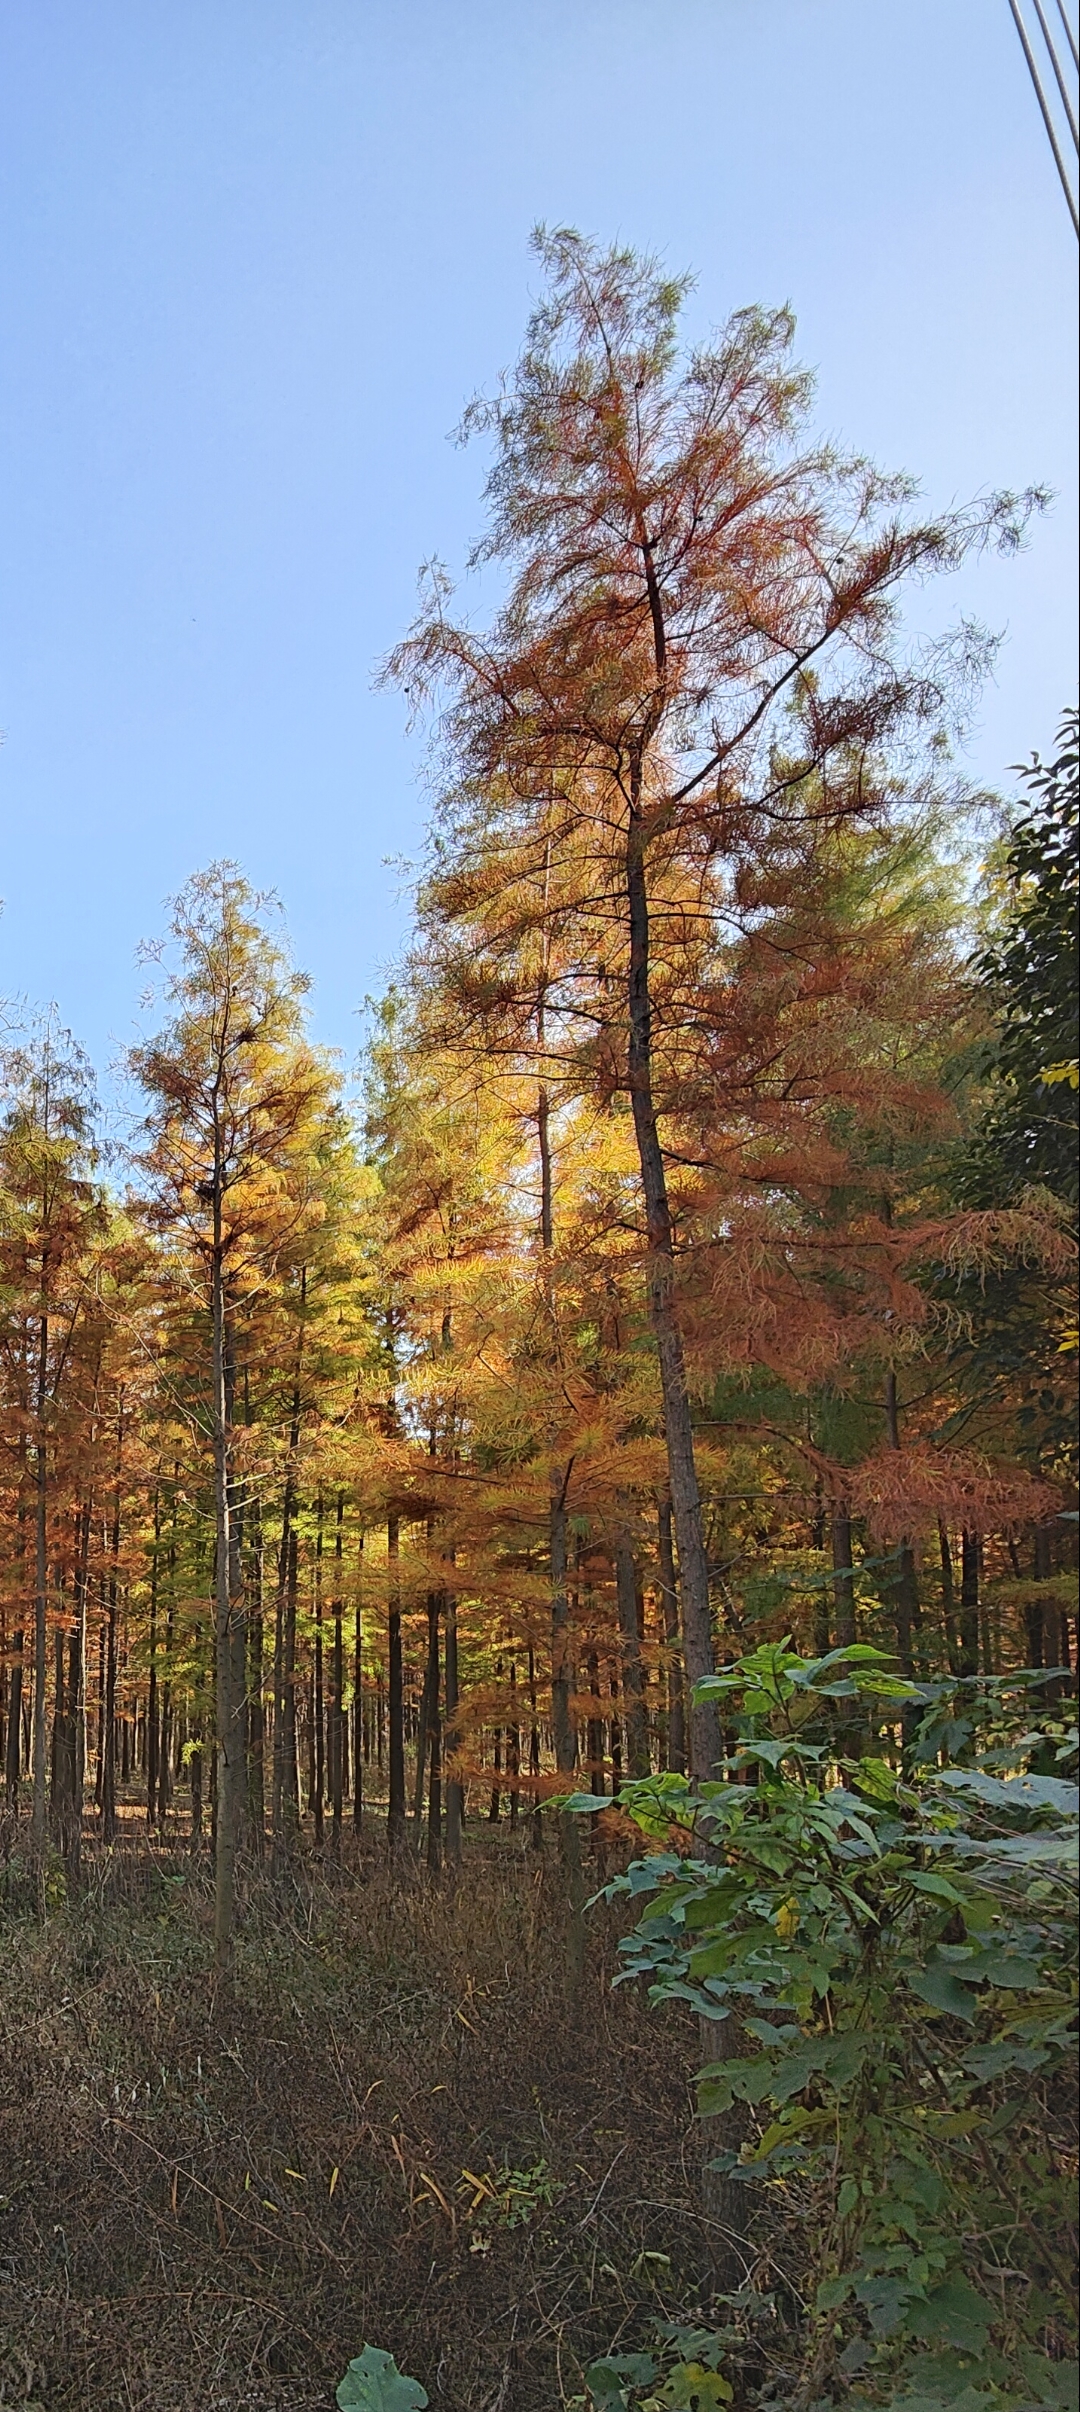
{"x":927,"y":1881}
{"x":373,"y":2383}
{"x":954,"y":2313}
{"x":832,"y":2292}
{"x":1015,"y":1792}
{"x":692,"y":2388}
{"x":943,"y":1991}
{"x":609,"y":2379}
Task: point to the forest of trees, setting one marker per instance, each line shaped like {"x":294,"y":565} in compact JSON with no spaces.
{"x":692,"y":1268}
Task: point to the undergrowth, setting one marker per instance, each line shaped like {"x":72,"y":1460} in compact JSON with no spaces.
{"x":405,"y":2126}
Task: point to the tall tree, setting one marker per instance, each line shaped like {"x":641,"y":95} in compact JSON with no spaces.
{"x":235,"y":1097}
{"x":700,"y":628}
{"x":52,"y":1213}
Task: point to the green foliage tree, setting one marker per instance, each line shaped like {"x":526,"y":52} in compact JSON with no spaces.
{"x":1018,"y":1354}
{"x":1030,"y":1135}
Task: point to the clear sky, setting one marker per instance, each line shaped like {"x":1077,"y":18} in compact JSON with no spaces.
{"x":256,"y":255}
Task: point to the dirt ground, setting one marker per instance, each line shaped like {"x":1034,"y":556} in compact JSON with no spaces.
{"x":406,"y":2128}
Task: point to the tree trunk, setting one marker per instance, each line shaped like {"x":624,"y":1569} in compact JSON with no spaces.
{"x":13,"y":1751}
{"x":496,"y":1791}
{"x":455,"y":1797}
{"x":153,"y":1735}
{"x":562,"y":1727}
{"x":537,"y":1820}
{"x":108,"y":1706}
{"x":669,"y":1610}
{"x":395,"y":1816}
{"x":229,"y":1638}
{"x":969,"y":1603}
{"x":628,"y":1594}
{"x":513,"y":1750}
{"x":902,"y":1585}
{"x":948,"y":1600}
{"x":318,"y":1701}
{"x":663,"y":1310}
{"x":41,"y":1585}
{"x":434,"y":1736}
{"x":338,"y":1728}
{"x":423,"y":1720}
{"x":358,"y":1704}
{"x":285,"y":1807}
{"x":843,"y":1580}
{"x":256,"y":1711}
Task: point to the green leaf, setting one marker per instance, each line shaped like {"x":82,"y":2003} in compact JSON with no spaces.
{"x":692,"y":2388}
{"x":938,"y":1885}
{"x":1019,"y":1792}
{"x":609,"y":2379}
{"x":832,"y":2293}
{"x":943,"y":1991}
{"x":373,"y":2383}
{"x":954,"y":2313}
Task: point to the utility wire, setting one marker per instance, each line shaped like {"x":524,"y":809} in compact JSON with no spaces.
{"x":1043,"y":102}
{"x":1069,"y":34}
{"x":1058,"y":71}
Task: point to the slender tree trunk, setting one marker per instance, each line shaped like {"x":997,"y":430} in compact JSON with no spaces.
{"x":434,"y":1736}
{"x":422,"y":1725}
{"x":229,"y":1650}
{"x":358,"y":1701}
{"x":537,"y":1819}
{"x":902,"y":1585}
{"x":256,"y":1712}
{"x":616,"y":1735}
{"x":109,"y":1738}
{"x":153,"y":1737}
{"x":71,"y":1837}
{"x":496,"y":1790}
{"x":594,"y":1732}
{"x":455,"y":1797}
{"x":630,"y":1607}
{"x":395,"y":1820}
{"x":663,"y":1310}
{"x":284,"y":1808}
{"x":13,"y":1759}
{"x":562,"y":1727}
{"x":338,"y":1728}
{"x":851,"y":1722}
{"x":948,"y":1600}
{"x":41,"y":1582}
{"x":843,"y":1580}
{"x":513,"y":1750}
{"x":669,"y":1606}
{"x":318,"y":1703}
{"x":166,"y":1773}
{"x":969,"y":1603}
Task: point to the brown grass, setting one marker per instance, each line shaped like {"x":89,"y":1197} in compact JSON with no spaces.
{"x":217,"y":2209}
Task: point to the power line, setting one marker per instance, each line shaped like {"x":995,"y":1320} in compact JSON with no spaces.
{"x":1040,"y":94}
{"x":1069,"y":34}
{"x":1057,"y":67}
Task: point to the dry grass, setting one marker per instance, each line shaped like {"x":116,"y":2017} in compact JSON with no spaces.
{"x":217,"y":2212}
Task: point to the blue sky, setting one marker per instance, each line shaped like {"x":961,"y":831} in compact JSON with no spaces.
{"x":255,"y":258}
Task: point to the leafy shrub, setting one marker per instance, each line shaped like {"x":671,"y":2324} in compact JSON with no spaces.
{"x":891,"y":1957}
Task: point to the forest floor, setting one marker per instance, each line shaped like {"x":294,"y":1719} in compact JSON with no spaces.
{"x":405,"y":2129}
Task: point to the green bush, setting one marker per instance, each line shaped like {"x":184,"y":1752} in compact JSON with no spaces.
{"x":891,"y":1958}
